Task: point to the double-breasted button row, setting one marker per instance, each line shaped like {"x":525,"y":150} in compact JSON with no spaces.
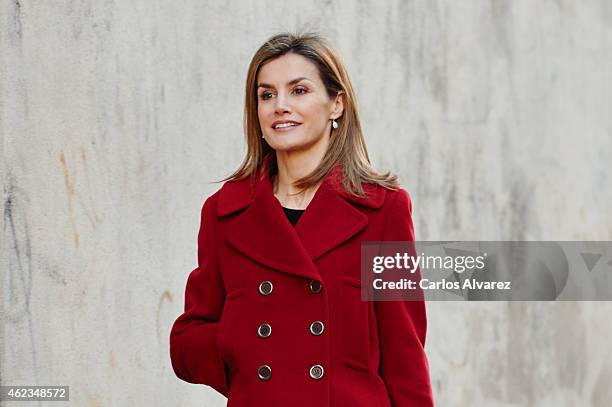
{"x":266,"y":287}
{"x":265,"y":330}
{"x":265,"y":372}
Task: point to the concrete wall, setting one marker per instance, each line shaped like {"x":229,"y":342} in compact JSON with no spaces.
{"x":115,"y":117}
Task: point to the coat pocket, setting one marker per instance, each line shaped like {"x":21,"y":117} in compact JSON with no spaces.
{"x":228,"y":327}
{"x":355,"y":326}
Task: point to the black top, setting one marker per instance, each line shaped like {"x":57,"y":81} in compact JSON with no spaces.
{"x":293,"y":214}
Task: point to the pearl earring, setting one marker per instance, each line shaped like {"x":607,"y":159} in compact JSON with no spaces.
{"x":334,"y":124}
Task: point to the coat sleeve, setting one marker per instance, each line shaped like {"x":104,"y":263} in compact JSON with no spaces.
{"x":402,"y":325}
{"x":193,"y":338}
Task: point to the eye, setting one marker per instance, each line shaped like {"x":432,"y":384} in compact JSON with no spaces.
{"x":264,"y":95}
{"x":299,"y":90}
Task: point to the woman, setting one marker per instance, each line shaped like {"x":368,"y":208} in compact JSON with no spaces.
{"x":273,"y":313}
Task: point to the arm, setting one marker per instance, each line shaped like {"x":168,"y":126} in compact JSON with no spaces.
{"x":193,"y":338}
{"x":402,"y":326}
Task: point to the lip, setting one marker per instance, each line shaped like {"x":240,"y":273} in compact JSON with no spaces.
{"x":297,"y":124}
{"x":285,"y":129}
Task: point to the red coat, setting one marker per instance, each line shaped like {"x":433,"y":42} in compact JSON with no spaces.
{"x":322,"y":345}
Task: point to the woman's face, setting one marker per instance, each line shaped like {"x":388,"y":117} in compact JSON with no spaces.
{"x":289,"y":89}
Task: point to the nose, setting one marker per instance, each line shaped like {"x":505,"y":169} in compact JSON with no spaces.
{"x":281,"y":105}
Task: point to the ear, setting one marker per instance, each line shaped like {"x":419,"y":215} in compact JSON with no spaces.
{"x":338,"y":105}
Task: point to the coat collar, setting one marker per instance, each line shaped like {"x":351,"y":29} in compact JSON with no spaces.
{"x":263,"y":232}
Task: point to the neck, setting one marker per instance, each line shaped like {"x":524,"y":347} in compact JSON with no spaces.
{"x":293,"y":165}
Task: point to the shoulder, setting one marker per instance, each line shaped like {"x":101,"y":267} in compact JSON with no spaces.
{"x":398,"y":199}
{"x":229,"y":197}
{"x":377,"y":196}
{"x":398,"y":205}
{"x":398,"y":216}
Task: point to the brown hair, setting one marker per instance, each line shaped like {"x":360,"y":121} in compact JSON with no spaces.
{"x":346,"y":145}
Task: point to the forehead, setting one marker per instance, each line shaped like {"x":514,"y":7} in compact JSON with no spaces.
{"x":281,"y":70}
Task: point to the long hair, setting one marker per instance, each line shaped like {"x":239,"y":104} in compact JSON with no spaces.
{"x":346,"y":145}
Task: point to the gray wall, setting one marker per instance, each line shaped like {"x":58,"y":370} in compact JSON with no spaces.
{"x":115,"y":117}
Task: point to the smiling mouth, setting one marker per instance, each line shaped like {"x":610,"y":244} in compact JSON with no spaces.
{"x":286,"y":128}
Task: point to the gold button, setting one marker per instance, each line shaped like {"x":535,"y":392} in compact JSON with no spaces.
{"x":316,"y":328}
{"x":315,"y":286}
{"x":264,"y":372}
{"x":316,"y":372}
{"x":264,"y":330}
{"x":265,"y":287}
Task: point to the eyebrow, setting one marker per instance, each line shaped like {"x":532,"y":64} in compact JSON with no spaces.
{"x":291,"y":82}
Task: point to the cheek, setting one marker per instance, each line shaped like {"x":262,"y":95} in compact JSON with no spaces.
{"x":261,"y":114}
{"x":317,"y":118}
{"x":314,"y":113}
{"x":264,"y":119}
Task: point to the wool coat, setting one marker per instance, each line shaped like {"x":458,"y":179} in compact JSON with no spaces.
{"x":273,"y":313}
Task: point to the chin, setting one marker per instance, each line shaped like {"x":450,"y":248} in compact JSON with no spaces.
{"x":291,"y":145}
{"x":294,"y":142}
{"x":288,"y":147}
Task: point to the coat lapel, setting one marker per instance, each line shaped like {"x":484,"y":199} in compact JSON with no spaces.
{"x":263,"y":232}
